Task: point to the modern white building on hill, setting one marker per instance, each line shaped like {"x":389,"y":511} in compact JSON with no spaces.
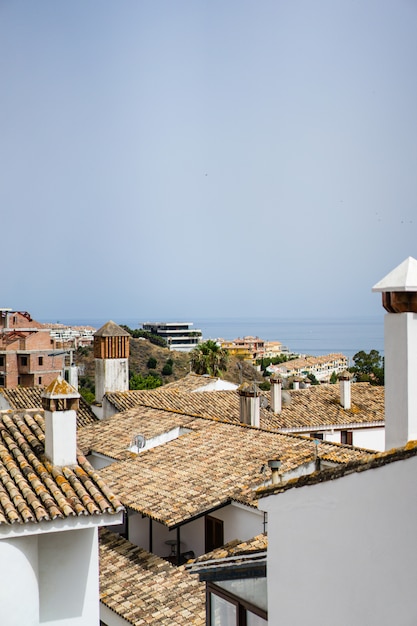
{"x":178,"y":335}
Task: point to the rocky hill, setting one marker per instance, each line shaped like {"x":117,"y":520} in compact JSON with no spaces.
{"x":142,"y":350}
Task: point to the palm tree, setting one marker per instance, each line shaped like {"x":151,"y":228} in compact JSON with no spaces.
{"x":209,"y":358}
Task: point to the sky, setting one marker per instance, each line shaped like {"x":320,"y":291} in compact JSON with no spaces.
{"x":179,"y":159}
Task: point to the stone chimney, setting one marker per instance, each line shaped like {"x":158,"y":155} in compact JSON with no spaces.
{"x":249,"y":404}
{"x":276,"y":394}
{"x":60,"y":403}
{"x":399,"y":299}
{"x":111,"y":355}
{"x":345,"y":389}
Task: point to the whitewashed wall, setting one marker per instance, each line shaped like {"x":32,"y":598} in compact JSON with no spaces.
{"x":372,"y":438}
{"x":19,"y":588}
{"x":348,"y":548}
{"x":111,"y":375}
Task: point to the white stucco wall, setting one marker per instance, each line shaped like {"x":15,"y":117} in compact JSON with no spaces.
{"x":347,"y":548}
{"x":240,"y":522}
{"x":50,"y":578}
{"x":371,"y":438}
{"x":68,"y":578}
{"x":111,"y":375}
{"x":19,"y":591}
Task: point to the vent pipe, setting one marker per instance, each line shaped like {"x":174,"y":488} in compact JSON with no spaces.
{"x":345,"y":389}
{"x":276,"y":394}
{"x":275,"y":466}
{"x":249,"y":404}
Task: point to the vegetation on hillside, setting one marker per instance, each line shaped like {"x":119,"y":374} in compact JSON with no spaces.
{"x":209,"y":358}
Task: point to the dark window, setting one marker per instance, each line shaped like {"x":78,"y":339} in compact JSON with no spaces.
{"x":40,"y":380}
{"x":1,"y":381}
{"x":316,"y":435}
{"x":1,"y":361}
{"x":23,"y":360}
{"x":214,"y":533}
{"x":347,"y":437}
{"x":226,"y":609}
{"x":40,"y":360}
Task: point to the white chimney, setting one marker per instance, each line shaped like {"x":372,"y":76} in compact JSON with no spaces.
{"x":399,"y":299}
{"x":60,"y":403}
{"x":276,"y":394}
{"x":296,"y":382}
{"x":345,"y":389}
{"x":249,"y":404}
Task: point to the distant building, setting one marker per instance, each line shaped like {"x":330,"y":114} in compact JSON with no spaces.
{"x":71,"y":336}
{"x":178,"y":335}
{"x":26,"y":351}
{"x":322,"y":367}
{"x":253,"y":348}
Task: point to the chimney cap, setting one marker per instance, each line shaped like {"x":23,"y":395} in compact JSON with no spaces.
{"x":345,"y":375}
{"x":274,"y":464}
{"x":401,"y":278}
{"x":59,"y":388}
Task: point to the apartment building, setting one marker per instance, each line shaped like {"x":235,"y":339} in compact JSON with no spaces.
{"x":26,"y":351}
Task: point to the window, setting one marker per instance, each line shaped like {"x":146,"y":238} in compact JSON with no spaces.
{"x":1,"y":381}
{"x":1,"y":361}
{"x":23,"y":360}
{"x":346,"y":436}
{"x":40,"y":380}
{"x":225,"y":609}
{"x":213,"y":533}
{"x":316,"y":436}
{"x":40,"y":360}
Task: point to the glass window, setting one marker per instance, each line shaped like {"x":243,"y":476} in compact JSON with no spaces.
{"x":222,"y":612}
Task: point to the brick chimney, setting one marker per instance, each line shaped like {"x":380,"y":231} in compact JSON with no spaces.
{"x":276,"y":394}
{"x":249,"y":404}
{"x":60,"y":403}
{"x":399,"y":299}
{"x":111,"y":355}
{"x":345,"y":389}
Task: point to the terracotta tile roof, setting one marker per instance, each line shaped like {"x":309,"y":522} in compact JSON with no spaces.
{"x":319,"y":405}
{"x":237,"y":548}
{"x":32,"y":489}
{"x":143,"y":588}
{"x":365,"y":463}
{"x":22,"y":398}
{"x":199,"y":471}
{"x":190,"y":382}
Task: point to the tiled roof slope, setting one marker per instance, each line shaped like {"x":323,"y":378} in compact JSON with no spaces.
{"x":201,"y":470}
{"x":144,"y":589}
{"x":22,"y":398}
{"x":310,"y":408}
{"x":191,"y":382}
{"x":32,"y":489}
{"x":237,"y":548}
{"x":319,"y":405}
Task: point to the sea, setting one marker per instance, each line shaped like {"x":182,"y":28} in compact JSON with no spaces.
{"x":312,"y":336}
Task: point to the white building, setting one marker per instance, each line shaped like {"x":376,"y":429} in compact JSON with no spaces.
{"x":350,"y":544}
{"x":51,"y":504}
{"x":178,"y":335}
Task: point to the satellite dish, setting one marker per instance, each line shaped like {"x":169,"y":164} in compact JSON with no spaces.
{"x":138,"y":441}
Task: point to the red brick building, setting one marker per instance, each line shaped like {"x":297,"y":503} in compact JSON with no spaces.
{"x":26,"y":349}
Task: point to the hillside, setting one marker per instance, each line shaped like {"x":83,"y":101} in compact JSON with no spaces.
{"x":141,"y":350}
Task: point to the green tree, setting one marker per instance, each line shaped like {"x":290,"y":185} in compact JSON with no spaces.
{"x":333,"y":378}
{"x":152,"y":362}
{"x":368,"y":367}
{"x":167,"y":369}
{"x":209,"y":358}
{"x":137,"y":381}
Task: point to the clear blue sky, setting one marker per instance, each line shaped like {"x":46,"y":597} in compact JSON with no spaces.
{"x":181,"y":159}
